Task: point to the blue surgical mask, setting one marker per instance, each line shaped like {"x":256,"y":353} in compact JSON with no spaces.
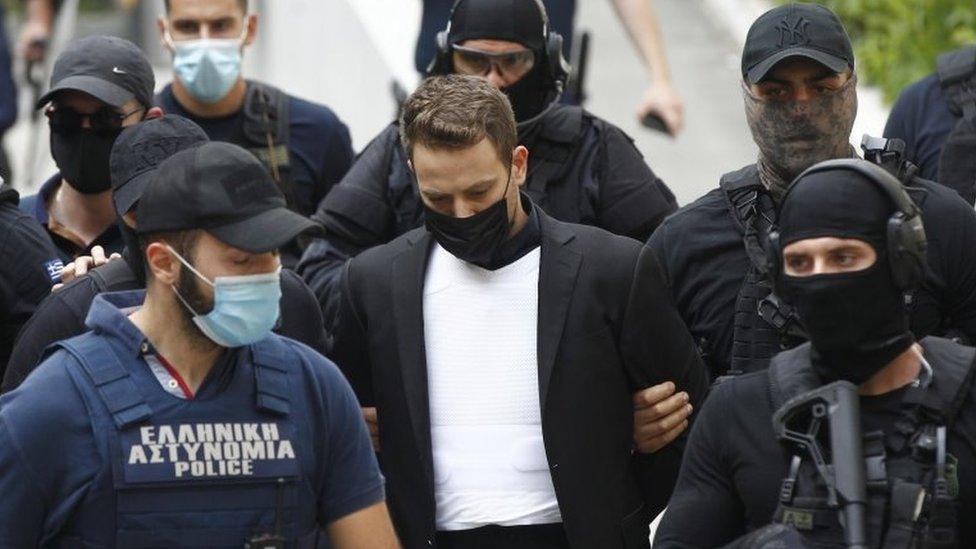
{"x":208,"y":68}
{"x":245,"y":307}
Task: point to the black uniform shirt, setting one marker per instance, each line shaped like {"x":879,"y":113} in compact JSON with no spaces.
{"x":28,"y":263}
{"x":319,"y":146}
{"x":733,"y":466}
{"x":62,"y":315}
{"x":705,"y":263}
{"x":921,"y":118}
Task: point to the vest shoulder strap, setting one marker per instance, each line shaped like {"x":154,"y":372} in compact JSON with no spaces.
{"x":263,"y":99}
{"x":113,"y":383}
{"x":114,"y":276}
{"x":270,"y":356}
{"x":955,"y":70}
{"x":741,"y":189}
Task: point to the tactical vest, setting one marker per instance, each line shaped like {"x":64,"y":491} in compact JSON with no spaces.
{"x":763,"y":325}
{"x":211,"y":473}
{"x":957,"y":161}
{"x":912,"y":483}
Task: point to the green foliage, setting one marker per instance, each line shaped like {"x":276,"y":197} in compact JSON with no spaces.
{"x":897,"y":41}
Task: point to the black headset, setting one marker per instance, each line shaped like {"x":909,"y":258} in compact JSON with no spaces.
{"x":557,"y":68}
{"x":905,"y":238}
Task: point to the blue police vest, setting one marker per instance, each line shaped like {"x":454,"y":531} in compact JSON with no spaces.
{"x":221,"y":472}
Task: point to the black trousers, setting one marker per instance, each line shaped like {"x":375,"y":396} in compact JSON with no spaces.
{"x":536,"y":536}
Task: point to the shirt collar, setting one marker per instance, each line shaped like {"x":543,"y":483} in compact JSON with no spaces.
{"x":43,"y":195}
{"x":109,"y":315}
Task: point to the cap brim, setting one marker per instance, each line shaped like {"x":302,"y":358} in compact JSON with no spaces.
{"x":266,"y":231}
{"x":832,"y":62}
{"x":126,"y":195}
{"x":102,"y":90}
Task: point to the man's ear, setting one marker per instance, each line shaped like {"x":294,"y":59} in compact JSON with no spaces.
{"x":161,"y":27}
{"x":251,"y":22}
{"x":165,"y":267}
{"x":520,"y":165}
{"x":154,"y":112}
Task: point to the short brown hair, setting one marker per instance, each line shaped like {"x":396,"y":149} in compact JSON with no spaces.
{"x":457,"y":112}
{"x":241,"y":3}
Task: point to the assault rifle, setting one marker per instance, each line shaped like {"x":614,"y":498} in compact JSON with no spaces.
{"x":800,"y":421}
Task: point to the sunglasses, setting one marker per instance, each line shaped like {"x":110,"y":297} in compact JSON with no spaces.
{"x":105,"y":120}
{"x":510,"y":64}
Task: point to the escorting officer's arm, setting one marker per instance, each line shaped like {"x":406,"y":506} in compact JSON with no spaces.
{"x":704,"y":510}
{"x":352,"y":507}
{"x":368,"y":528}
{"x":633,"y":200}
{"x":356,"y":217}
{"x":655,"y":347}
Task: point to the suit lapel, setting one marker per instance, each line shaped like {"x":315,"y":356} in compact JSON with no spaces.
{"x":558,"y":270}
{"x":409,"y":270}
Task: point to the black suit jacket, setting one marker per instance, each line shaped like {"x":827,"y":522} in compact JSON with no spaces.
{"x":606,"y":329}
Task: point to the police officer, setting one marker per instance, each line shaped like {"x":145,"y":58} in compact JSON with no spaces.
{"x":638,"y":16}
{"x":135,"y":156}
{"x":99,"y":85}
{"x":181,"y":420}
{"x":29,"y":264}
{"x":582,"y":169}
{"x":305,"y":146}
{"x":800,"y":102}
{"x":851,"y":244}
{"x":936,"y":118}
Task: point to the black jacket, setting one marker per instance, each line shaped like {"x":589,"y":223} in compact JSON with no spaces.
{"x":27,"y":261}
{"x":701,"y":250}
{"x":605,"y":330}
{"x":581,"y":170}
{"x":62,"y":315}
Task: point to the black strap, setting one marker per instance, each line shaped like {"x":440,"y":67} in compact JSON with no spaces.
{"x":266,"y":128}
{"x":752,"y":210}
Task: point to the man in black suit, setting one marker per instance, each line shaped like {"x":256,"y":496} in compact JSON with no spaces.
{"x":501,"y":347}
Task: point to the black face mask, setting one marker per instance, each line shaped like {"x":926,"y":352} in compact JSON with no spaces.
{"x":857,"y":322}
{"x":83,"y":158}
{"x":530,"y":95}
{"x":473,"y":239}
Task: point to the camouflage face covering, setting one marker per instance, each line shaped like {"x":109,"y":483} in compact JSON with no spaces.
{"x":794,"y":135}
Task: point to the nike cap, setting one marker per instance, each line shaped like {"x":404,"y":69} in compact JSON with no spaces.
{"x":110,"y":69}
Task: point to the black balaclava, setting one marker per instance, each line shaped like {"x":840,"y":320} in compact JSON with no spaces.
{"x":794,"y":135}
{"x":857,"y":322}
{"x":522,"y":21}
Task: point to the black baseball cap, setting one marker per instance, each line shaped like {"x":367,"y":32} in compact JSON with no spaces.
{"x":138,"y":151}
{"x":110,"y":69}
{"x":522,"y":21}
{"x":797,"y":29}
{"x":224,"y":190}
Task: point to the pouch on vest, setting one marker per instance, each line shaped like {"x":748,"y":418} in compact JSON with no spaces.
{"x":957,"y":161}
{"x":211,"y":473}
